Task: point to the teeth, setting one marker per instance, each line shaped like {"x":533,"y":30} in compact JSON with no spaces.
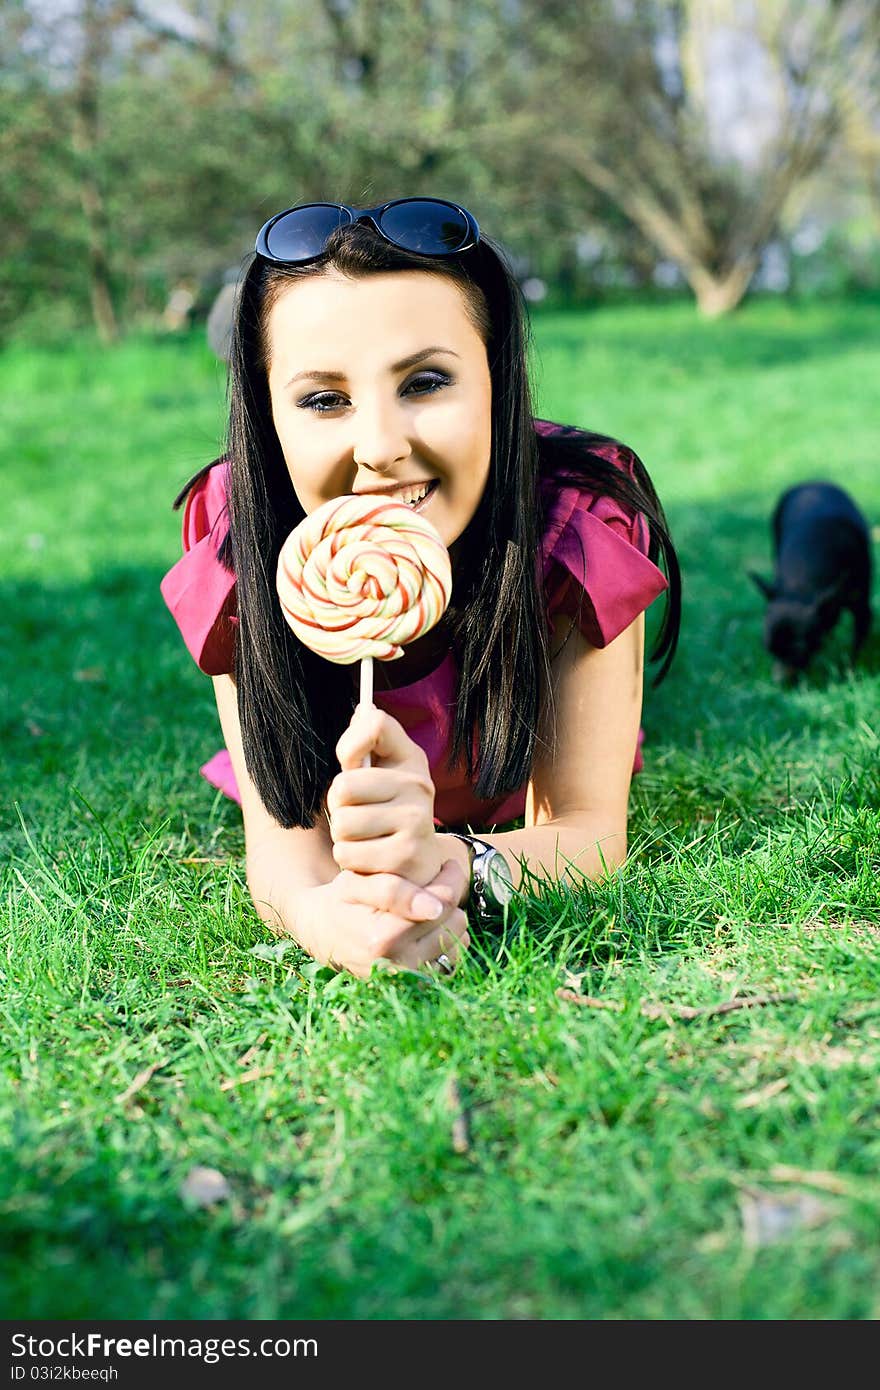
{"x":412,"y":495}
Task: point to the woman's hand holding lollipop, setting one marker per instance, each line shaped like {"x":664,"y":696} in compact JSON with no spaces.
{"x":356,"y":580}
{"x":382,"y":816}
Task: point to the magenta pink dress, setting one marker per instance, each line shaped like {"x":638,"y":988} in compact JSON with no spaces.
{"x":595,"y":566}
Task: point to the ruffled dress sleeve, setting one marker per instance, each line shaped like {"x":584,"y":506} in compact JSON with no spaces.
{"x":199,"y":590}
{"x":595,"y":557}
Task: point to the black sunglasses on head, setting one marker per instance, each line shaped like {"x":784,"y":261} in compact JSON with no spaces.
{"x":425,"y":226}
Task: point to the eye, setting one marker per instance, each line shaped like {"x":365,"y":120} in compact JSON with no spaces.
{"x":322,"y":402}
{"x":427,"y":382}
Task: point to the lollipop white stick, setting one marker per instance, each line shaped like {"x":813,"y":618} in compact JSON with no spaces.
{"x":366,"y":699}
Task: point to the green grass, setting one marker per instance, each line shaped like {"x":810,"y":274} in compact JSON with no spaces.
{"x":410,"y":1148}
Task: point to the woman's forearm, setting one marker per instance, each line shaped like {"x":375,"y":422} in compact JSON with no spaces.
{"x":558,"y":851}
{"x":280,"y":869}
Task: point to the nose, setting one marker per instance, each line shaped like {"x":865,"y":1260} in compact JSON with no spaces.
{"x":380,"y":437}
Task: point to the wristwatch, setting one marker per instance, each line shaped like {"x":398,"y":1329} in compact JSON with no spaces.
{"x":491,"y":880}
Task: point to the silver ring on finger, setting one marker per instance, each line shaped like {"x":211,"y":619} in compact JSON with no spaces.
{"x":444,"y":964}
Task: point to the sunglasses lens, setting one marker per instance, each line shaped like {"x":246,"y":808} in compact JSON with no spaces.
{"x":434,"y":229}
{"x":301,"y":234}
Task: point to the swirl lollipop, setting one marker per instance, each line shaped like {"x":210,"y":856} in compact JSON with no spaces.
{"x":360,"y":577}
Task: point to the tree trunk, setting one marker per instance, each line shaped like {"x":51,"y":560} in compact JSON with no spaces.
{"x":718,"y":294}
{"x":85,"y":144}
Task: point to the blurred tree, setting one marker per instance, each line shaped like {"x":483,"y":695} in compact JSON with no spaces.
{"x":143,"y":141}
{"x":71,"y":70}
{"x":861,"y":140}
{"x":699,"y":119}
{"x":37,"y":191}
{"x":168,"y":132}
{"x":97,"y":24}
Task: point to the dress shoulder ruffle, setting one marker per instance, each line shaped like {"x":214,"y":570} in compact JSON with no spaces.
{"x":199,"y":590}
{"x":595,"y":554}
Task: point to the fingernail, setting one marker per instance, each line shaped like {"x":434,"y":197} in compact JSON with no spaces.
{"x":426,"y":907}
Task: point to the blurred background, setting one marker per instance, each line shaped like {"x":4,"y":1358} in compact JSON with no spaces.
{"x":702,"y":148}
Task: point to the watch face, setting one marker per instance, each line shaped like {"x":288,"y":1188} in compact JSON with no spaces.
{"x":499,"y":881}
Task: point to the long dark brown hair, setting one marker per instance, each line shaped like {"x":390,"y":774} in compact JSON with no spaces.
{"x":294,"y":705}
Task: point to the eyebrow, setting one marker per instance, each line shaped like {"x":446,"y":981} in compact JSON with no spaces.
{"x":400,"y":366}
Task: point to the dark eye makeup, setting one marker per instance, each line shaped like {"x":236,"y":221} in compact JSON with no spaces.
{"x":422,"y":384}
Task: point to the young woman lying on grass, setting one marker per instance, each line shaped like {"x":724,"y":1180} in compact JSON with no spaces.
{"x":383,"y":351}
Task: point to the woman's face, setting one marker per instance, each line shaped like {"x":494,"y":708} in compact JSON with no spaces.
{"x":381,"y":385}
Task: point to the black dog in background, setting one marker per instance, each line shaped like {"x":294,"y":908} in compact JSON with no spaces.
{"x":822,"y":546}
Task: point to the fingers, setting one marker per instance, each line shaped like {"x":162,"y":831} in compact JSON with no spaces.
{"x":373,"y":822}
{"x":441,"y":946}
{"x":407,"y":925}
{"x":450,"y":885}
{"x":389,"y":893}
{"x":372,"y":786}
{"x":381,"y":947}
{"x":402,"y":853}
{"x":449,"y":940}
{"x":374,"y":732}
{"x":396,"y":836}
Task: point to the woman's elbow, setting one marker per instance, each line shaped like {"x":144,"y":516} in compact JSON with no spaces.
{"x":263,"y":887}
{"x":596,"y":850}
{"x":611,"y":851}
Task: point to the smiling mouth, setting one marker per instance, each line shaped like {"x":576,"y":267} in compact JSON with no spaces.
{"x":415,"y":496}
